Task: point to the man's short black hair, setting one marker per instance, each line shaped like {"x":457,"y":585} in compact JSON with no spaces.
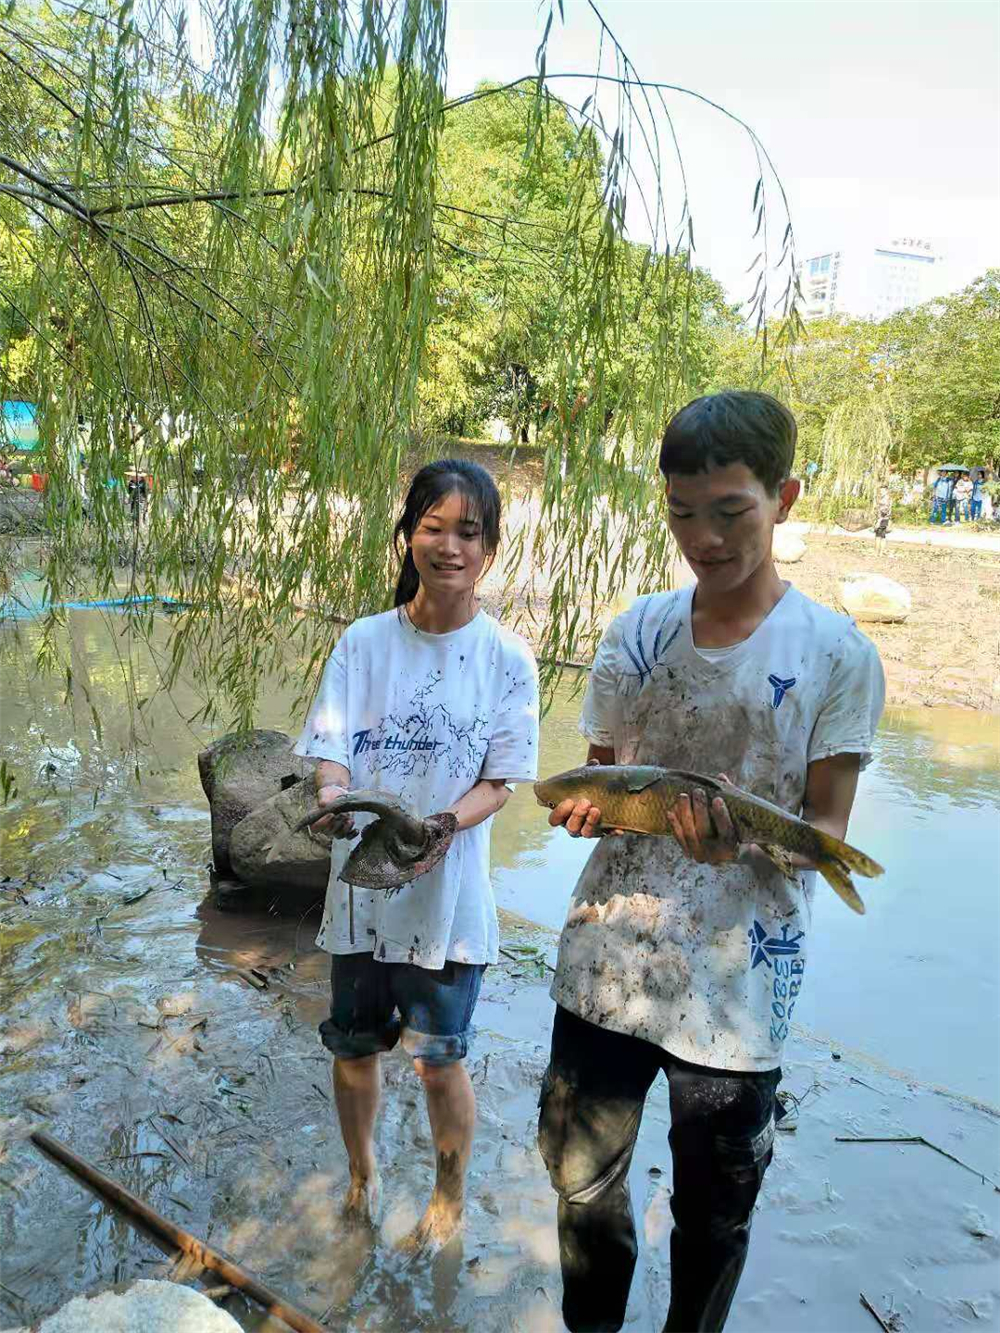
{"x":732,"y":427}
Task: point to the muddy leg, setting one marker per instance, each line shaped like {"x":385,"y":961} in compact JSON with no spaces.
{"x":451,"y":1107}
{"x":356,"y":1088}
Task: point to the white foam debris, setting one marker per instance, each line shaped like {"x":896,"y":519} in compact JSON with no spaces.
{"x":147,"y":1307}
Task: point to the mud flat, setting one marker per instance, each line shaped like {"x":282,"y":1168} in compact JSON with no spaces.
{"x":173,"y":1044}
{"x":132,"y":1033}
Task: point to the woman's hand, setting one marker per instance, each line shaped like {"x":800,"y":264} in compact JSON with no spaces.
{"x":337,"y":825}
{"x":704,"y":832}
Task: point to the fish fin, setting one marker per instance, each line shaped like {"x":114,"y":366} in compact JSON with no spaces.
{"x":849,"y":857}
{"x":782,"y":859}
{"x":834,"y":871}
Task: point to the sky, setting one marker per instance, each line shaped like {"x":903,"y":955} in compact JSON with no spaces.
{"x":882,"y":119}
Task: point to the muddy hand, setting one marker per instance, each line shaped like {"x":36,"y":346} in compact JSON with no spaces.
{"x":704,"y":833}
{"x":337,"y":826}
{"x":580,"y":819}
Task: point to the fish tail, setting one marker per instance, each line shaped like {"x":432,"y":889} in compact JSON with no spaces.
{"x":834,"y":871}
{"x":849,"y":857}
{"x":836,"y":860}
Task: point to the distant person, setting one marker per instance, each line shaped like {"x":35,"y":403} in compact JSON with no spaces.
{"x":976,"y":499}
{"x":883,"y":518}
{"x":138,"y":494}
{"x":941,"y":498}
{"x":954,"y":504}
{"x":963,"y":498}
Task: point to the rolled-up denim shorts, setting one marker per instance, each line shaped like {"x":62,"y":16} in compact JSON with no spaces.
{"x":375,"y":1005}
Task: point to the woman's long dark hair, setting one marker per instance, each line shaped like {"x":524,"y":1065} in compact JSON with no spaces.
{"x":427,"y":489}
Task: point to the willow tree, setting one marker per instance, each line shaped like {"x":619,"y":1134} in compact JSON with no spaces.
{"x":226,"y":250}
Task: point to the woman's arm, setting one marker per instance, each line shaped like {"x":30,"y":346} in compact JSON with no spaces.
{"x":332,"y":780}
{"x":484,"y":799}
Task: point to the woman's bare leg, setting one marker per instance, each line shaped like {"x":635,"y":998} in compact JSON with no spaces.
{"x":357,"y":1085}
{"x":451,"y":1108}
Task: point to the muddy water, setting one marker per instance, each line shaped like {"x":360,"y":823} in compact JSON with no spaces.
{"x":129,"y":1031}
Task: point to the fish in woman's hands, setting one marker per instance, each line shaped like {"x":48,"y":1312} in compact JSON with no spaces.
{"x":637,"y":798}
{"x":396,"y":847}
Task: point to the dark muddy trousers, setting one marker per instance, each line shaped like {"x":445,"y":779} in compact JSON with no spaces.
{"x":722,"y":1131}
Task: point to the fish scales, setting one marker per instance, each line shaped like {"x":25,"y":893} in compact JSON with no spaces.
{"x":638,"y":798}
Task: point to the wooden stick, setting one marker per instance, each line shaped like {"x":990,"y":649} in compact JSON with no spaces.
{"x":872,"y":1311}
{"x":919,"y":1139}
{"x":140,"y":1213}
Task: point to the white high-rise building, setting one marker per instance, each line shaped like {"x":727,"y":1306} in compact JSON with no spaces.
{"x":818,"y":279}
{"x":870,"y":281}
{"x":902,"y":276}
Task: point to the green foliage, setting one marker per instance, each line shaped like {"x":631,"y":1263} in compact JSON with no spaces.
{"x":259,"y":274}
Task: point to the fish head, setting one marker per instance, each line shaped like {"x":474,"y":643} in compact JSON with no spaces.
{"x":563,"y":787}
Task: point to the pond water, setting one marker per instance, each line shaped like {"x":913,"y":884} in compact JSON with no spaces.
{"x":914,"y":984}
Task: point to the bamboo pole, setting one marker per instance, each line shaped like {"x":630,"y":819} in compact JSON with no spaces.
{"x":136,"y":1211}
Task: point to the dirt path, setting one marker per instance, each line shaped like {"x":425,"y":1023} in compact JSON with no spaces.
{"x":948,"y":651}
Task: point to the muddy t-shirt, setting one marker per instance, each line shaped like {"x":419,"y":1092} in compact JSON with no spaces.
{"x":424,"y":716}
{"x":706,"y":961}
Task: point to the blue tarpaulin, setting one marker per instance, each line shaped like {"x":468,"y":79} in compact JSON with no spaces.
{"x":20,"y":425}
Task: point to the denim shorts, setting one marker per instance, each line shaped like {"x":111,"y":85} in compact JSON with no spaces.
{"x":374,"y":1005}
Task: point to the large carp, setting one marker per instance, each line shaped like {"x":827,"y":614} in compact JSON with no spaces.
{"x":636,"y":798}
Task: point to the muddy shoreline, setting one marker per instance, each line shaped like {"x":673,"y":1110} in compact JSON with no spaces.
{"x":210,"y":1098}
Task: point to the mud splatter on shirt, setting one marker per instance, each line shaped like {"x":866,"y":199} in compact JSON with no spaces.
{"x":708,"y":962}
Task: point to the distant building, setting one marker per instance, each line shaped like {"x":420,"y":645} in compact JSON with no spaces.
{"x":872,"y":282}
{"x":819,"y":279}
{"x":902,"y":276}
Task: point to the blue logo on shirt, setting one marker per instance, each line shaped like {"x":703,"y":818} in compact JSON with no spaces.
{"x":764,"y":947}
{"x":780,"y":687}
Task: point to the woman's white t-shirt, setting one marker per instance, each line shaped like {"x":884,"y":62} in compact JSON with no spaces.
{"x":424,"y":716}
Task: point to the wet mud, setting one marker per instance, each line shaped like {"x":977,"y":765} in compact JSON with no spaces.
{"x":173,"y":1043}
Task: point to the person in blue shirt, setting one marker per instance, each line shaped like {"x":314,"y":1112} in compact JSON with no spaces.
{"x":976,"y":501}
{"x":942,"y":498}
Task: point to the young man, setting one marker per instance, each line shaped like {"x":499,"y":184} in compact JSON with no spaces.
{"x":688,"y":955}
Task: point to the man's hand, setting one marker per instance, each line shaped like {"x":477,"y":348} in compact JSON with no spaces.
{"x":337,"y":826}
{"x":704,"y":833}
{"x":581,"y":818}
{"x":578,"y":818}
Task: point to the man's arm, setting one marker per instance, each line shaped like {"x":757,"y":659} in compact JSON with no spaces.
{"x":831,"y":785}
{"x":332,"y":780}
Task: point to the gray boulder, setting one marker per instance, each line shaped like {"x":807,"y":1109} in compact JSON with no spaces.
{"x":241,"y":771}
{"x":298,"y":861}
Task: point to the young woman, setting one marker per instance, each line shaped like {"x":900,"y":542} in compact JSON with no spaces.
{"x":438,"y":703}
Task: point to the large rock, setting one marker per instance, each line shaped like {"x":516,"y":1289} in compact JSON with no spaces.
{"x":873,"y":597}
{"x":300,"y":862}
{"x":240,"y":772}
{"x":787,"y":547}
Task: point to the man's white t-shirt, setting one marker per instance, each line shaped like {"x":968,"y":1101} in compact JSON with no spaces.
{"x":706,"y":961}
{"x":424,"y":716}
